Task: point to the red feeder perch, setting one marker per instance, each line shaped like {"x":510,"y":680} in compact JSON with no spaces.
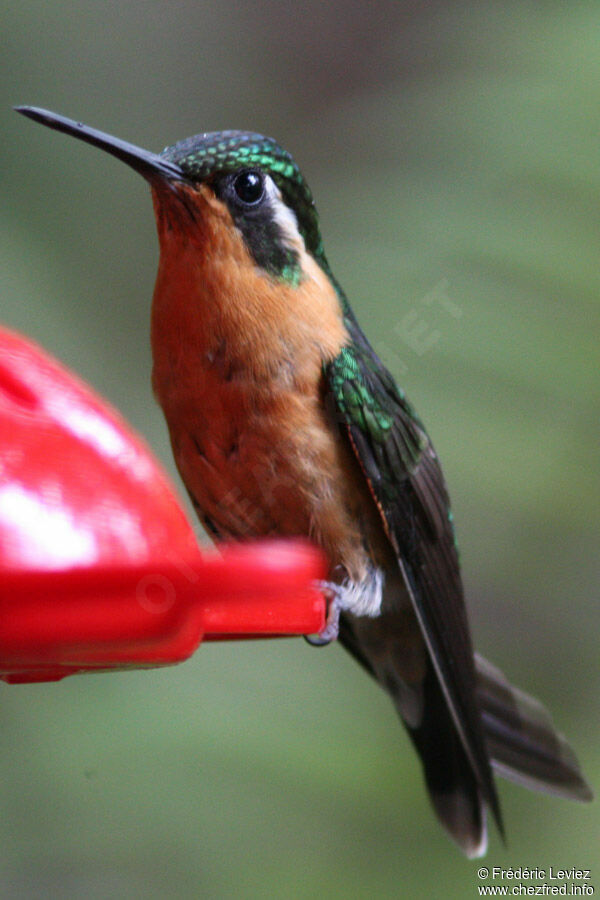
{"x":99,"y":567}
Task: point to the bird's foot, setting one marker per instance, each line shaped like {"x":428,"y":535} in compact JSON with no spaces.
{"x":333,"y":592}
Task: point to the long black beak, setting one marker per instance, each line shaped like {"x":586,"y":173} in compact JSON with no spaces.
{"x":150,"y":165}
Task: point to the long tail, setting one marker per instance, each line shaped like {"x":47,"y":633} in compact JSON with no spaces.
{"x":523,"y":743}
{"x":453,"y":788}
{"x":454,"y":792}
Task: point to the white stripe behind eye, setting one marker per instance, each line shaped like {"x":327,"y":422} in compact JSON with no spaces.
{"x":285,"y":218}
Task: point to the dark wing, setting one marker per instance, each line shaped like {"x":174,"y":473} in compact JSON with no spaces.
{"x":406,"y":482}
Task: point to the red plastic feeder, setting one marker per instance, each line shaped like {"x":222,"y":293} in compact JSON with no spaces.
{"x":99,"y":567}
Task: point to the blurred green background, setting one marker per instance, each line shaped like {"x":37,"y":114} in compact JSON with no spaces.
{"x":453,"y":149}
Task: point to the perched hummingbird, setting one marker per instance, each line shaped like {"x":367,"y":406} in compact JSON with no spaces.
{"x":283,"y":421}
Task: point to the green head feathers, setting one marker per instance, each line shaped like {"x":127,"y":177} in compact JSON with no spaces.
{"x":218,"y":157}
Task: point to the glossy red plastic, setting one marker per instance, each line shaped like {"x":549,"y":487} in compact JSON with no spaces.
{"x":99,"y":566}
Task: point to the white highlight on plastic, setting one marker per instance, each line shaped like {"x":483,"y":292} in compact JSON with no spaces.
{"x":44,"y":535}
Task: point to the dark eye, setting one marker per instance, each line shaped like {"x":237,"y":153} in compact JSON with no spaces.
{"x":249,"y":187}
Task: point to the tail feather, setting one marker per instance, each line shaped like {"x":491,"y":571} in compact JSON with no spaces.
{"x":453,"y":789}
{"x":521,"y":739}
{"x":523,"y":743}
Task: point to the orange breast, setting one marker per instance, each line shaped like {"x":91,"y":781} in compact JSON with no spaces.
{"x":238,"y":360}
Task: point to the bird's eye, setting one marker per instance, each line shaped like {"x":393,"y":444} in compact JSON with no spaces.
{"x":249,"y":187}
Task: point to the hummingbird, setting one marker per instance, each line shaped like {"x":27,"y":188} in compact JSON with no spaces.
{"x":284,"y":421}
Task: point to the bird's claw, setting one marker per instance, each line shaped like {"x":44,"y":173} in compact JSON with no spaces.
{"x":329,"y":633}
